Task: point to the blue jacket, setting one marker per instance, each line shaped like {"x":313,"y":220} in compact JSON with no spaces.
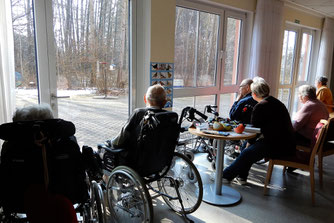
{"x":242,"y":110}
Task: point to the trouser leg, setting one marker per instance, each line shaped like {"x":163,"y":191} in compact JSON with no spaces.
{"x":241,"y":166}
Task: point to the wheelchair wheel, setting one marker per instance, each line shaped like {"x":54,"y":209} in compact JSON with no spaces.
{"x":97,"y":203}
{"x":188,"y":181}
{"x":128,"y":197}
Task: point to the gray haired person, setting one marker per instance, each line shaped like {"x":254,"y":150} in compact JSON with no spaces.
{"x":33,"y":112}
{"x":273,"y":119}
{"x":309,"y":115}
{"x":324,"y":94}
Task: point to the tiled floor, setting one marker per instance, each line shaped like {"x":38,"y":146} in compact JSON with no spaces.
{"x":288,"y":200}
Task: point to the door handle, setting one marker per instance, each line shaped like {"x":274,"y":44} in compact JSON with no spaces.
{"x":53,"y":96}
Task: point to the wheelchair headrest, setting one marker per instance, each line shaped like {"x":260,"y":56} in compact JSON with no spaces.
{"x":153,"y":119}
{"x":52,"y":128}
{"x":166,"y":117}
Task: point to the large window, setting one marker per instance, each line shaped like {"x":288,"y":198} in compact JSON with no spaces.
{"x":208,"y":46}
{"x":91,"y":76}
{"x":295,"y":65}
{"x":24,"y":53}
{"x":92,"y":46}
{"x":196,"y":36}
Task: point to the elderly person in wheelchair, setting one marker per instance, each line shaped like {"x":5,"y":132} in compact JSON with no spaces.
{"x":142,"y":158}
{"x":42,"y":171}
{"x":125,"y":144}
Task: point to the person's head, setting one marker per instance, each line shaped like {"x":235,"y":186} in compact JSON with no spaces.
{"x":260,"y":89}
{"x":156,"y":96}
{"x":321,"y":81}
{"x":33,"y":112}
{"x":306,"y":92}
{"x":244,"y":87}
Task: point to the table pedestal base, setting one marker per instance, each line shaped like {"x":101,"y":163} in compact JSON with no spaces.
{"x":229,"y":196}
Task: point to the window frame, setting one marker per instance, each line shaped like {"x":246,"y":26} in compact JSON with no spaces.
{"x":219,"y":87}
{"x":300,"y":30}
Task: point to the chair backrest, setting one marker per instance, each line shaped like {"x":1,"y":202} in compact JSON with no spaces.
{"x":319,"y":134}
{"x":329,"y":135}
{"x":156,"y":142}
{"x":22,"y":163}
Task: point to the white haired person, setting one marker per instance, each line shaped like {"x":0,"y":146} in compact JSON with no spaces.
{"x":309,"y":115}
{"x":40,"y":204}
{"x":33,"y":112}
{"x":272,"y":117}
{"x":155,"y":99}
{"x":324,"y":94}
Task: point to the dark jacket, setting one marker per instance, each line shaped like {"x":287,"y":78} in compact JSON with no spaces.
{"x":242,"y":110}
{"x":128,"y":136}
{"x":274,"y":120}
{"x":148,"y":147}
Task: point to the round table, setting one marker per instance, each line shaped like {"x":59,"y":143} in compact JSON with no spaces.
{"x":216,"y":193}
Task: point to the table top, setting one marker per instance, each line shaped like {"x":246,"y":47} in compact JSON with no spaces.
{"x":232,"y":136}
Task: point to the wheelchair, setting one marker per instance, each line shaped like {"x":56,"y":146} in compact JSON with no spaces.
{"x":44,"y":156}
{"x":157,"y":170}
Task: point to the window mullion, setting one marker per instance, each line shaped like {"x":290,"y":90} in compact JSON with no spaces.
{"x":196,"y":49}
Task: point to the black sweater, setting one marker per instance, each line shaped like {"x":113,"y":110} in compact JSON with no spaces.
{"x":274,"y":120}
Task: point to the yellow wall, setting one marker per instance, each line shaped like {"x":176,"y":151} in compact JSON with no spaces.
{"x":249,"y":5}
{"x":291,"y":14}
{"x":163,"y":24}
{"x":162,"y":30}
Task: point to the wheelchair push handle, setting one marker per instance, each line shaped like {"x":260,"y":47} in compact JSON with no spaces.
{"x":211,"y":109}
{"x":189,"y":114}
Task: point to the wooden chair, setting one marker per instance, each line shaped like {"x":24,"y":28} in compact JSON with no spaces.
{"x":328,"y":146}
{"x":302,"y":160}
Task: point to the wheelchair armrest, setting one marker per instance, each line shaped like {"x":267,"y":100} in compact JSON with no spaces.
{"x":112,"y":150}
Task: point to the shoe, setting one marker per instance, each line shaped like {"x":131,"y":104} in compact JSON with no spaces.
{"x":226,"y":181}
{"x":242,"y":181}
{"x":291,"y":169}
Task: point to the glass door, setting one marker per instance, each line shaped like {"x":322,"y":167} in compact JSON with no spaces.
{"x":92,"y":66}
{"x":86,"y":79}
{"x":295,"y":65}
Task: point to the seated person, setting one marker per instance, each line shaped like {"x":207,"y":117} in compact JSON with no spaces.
{"x":277,"y":136}
{"x":155,"y":99}
{"x":324,"y":94}
{"x":242,"y":108}
{"x":241,"y":111}
{"x":309,"y":115}
{"x":41,"y":205}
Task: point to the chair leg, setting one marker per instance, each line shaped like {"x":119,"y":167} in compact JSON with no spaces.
{"x":268,"y":177}
{"x":312,"y":184}
{"x":320,"y":168}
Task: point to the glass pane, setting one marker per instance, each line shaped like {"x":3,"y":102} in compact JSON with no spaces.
{"x":304,"y":60}
{"x":185,"y":44}
{"x":284,"y":96}
{"x":296,"y":103}
{"x":92,"y":66}
{"x":196,"y":36}
{"x":288,"y":55}
{"x":24,"y":53}
{"x":207,"y":49}
{"x":233,"y":34}
{"x":181,"y":103}
{"x":202,"y":101}
{"x":226,"y":102}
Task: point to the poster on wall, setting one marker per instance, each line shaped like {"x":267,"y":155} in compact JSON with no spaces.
{"x":163,"y":74}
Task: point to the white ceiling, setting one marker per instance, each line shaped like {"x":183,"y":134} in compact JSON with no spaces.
{"x":325,"y":7}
